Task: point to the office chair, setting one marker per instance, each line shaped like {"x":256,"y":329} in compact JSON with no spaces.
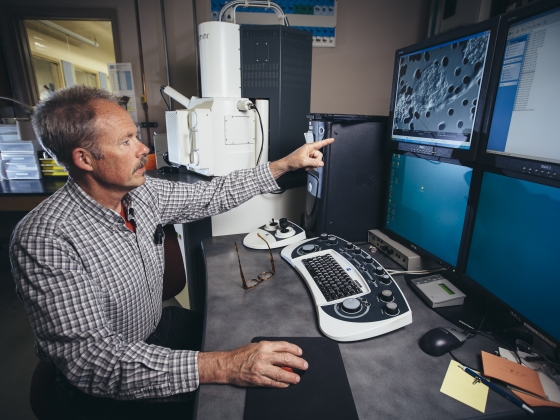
{"x":43,"y":397}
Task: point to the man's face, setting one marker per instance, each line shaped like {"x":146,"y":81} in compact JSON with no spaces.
{"x":122,"y":166}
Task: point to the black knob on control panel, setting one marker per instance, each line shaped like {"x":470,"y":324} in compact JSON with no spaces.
{"x":332,"y":240}
{"x":349,"y":245}
{"x":386,"y":296}
{"x":357,"y":250}
{"x":391,"y":308}
{"x":385,"y":279}
{"x":324,"y":236}
{"x":283,"y":225}
{"x":369,"y":259}
{"x":379,"y":270}
{"x":351,"y":305}
{"x":273,"y":223}
{"x":385,"y":248}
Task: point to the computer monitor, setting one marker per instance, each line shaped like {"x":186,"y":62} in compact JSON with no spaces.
{"x":520,"y":134}
{"x":514,"y":249}
{"x":439,"y":91}
{"x":427,"y":205}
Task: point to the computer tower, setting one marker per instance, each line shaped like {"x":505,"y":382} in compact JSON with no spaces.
{"x":344,"y":197}
{"x":276,"y":65}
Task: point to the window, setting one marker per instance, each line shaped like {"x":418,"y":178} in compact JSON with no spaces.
{"x":68,"y":52}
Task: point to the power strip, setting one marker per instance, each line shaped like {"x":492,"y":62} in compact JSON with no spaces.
{"x":399,"y":253}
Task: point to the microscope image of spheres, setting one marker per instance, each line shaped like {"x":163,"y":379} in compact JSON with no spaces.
{"x":438,"y":90}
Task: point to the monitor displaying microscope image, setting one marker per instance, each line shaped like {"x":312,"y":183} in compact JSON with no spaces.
{"x":439,"y":92}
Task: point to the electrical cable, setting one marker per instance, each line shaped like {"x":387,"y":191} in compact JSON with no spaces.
{"x":254,"y":108}
{"x":458,"y":361}
{"x":163,"y":97}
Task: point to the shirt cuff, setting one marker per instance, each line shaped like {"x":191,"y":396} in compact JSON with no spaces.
{"x":266,"y":181}
{"x":183,"y":371}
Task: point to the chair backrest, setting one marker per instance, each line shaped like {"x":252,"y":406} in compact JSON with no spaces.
{"x":174,"y":276}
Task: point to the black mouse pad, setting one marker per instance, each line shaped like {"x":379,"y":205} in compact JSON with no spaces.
{"x":322,"y":393}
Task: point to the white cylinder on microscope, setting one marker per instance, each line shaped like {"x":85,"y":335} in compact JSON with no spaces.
{"x":220,"y":59}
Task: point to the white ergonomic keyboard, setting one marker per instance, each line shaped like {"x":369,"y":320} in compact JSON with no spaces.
{"x":277,"y":233}
{"x":354,"y":296}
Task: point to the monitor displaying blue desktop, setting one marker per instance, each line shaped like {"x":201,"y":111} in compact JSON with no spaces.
{"x":438,"y":91}
{"x":427,"y":205}
{"x":526,"y":102}
{"x":515,"y":248}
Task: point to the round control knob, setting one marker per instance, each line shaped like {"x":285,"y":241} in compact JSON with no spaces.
{"x":385,"y":248}
{"x":369,"y":259}
{"x":306,"y":249}
{"x":283,"y":224}
{"x":351,"y":305}
{"x":273,"y":223}
{"x":391,"y":308}
{"x":332,"y":240}
{"x":357,"y":250}
{"x":324,"y":236}
{"x":386,"y":296}
{"x":385,"y":279}
{"x":379,"y":270}
{"x":349,"y":245}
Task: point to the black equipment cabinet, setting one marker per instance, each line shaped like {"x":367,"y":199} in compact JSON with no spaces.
{"x":276,"y":65}
{"x":344,"y":197}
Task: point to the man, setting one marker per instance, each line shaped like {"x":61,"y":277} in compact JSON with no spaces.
{"x":89,"y":271}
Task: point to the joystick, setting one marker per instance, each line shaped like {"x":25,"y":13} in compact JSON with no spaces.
{"x":284,"y":225}
{"x":271,"y":226}
{"x":277,"y":233}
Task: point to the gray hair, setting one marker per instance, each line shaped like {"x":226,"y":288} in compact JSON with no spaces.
{"x":66,"y":120}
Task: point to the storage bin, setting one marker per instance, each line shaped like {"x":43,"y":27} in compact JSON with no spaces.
{"x":33,"y":174}
{"x":21,"y":166}
{"x":6,"y":137}
{"x":8,"y":129}
{"x":25,"y":186}
{"x":9,"y":158}
{"x":28,"y":146}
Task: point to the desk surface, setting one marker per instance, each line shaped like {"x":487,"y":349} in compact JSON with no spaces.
{"x":390,"y":377}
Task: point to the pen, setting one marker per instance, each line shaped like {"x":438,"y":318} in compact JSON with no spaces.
{"x":493,"y":387}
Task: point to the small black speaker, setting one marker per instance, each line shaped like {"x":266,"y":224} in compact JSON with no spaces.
{"x":344,"y":197}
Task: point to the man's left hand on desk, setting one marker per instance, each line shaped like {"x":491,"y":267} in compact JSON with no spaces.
{"x":256,"y":364}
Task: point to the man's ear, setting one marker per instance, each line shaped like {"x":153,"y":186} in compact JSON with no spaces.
{"x":82,"y":159}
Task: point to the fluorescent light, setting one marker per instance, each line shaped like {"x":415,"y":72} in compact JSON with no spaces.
{"x":68,"y":32}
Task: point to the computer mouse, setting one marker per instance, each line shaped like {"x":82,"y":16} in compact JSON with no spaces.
{"x":441,"y":340}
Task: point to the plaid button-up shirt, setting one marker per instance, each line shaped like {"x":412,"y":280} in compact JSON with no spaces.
{"x":92,"y":288}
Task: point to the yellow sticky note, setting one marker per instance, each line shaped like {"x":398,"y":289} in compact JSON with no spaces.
{"x":459,"y":385}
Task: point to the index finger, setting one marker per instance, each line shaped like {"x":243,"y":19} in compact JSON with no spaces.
{"x":322,"y":143}
{"x":279,"y":346}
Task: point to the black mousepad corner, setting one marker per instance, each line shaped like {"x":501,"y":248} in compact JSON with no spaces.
{"x":323,"y":391}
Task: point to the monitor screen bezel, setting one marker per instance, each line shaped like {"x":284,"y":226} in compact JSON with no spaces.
{"x":440,"y":151}
{"x":531,"y":166}
{"x":476,"y":188}
{"x":422,"y":252}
